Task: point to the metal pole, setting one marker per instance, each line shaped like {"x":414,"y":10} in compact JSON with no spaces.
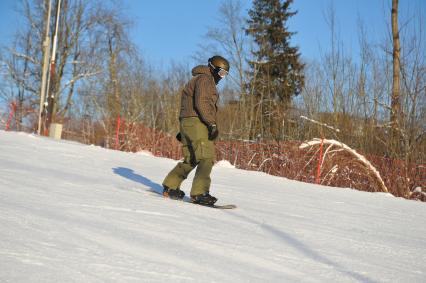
{"x":46,"y":48}
{"x":55,"y":38}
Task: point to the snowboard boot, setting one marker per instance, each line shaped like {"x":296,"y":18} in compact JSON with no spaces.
{"x":204,"y":199}
{"x":176,"y":194}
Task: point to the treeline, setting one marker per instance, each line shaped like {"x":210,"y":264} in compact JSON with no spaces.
{"x":272,"y":93}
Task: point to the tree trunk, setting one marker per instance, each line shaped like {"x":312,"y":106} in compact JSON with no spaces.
{"x":395,"y":100}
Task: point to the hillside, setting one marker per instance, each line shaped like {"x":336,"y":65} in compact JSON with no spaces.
{"x":76,"y":213}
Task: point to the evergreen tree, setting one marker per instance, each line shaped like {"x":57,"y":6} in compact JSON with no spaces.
{"x":277,"y":72}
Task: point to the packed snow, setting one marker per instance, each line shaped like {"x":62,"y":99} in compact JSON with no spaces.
{"x":76,"y":213}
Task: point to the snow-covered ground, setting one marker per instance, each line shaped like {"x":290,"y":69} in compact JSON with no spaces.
{"x":77,"y":213}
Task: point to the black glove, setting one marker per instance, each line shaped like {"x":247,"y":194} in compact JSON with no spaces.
{"x":179,"y":137}
{"x":213,"y":132}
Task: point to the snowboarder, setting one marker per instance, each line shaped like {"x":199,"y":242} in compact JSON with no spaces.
{"x":198,"y":130}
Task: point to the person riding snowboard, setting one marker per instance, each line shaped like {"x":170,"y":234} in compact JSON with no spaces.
{"x":198,"y":130}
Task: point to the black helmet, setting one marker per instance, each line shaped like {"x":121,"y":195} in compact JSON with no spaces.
{"x":220,"y":65}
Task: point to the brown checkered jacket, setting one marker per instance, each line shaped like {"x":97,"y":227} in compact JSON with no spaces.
{"x":199,"y":96}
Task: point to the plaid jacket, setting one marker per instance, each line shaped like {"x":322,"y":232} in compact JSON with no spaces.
{"x":199,"y":96}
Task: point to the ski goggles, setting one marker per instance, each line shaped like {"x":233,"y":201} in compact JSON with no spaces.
{"x":220,"y":71}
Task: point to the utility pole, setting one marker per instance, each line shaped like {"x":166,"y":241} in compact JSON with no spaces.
{"x":46,"y":49}
{"x":51,"y":97}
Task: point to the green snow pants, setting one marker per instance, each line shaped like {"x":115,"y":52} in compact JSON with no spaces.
{"x":198,"y":151}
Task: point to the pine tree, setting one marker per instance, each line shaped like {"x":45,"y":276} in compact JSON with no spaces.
{"x":276,"y":72}
{"x":277,"y":65}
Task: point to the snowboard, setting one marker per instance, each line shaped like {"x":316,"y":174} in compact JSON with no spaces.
{"x":188,"y":200}
{"x":216,"y":206}
{"x":224,"y":206}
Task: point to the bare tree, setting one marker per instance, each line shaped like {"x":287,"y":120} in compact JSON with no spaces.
{"x":230,"y":41}
{"x":75,"y":57}
{"x":395,"y":100}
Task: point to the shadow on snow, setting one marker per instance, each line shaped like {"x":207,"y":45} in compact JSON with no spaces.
{"x":131,"y":175}
{"x":292,"y":241}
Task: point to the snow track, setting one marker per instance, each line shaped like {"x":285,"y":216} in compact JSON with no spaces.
{"x":77,"y":213}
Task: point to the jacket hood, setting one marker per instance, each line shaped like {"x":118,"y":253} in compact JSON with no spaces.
{"x":201,"y":69}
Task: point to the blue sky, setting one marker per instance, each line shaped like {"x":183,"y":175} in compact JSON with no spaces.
{"x":166,"y":30}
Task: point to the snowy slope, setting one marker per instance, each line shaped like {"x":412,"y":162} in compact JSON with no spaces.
{"x":77,"y":213}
